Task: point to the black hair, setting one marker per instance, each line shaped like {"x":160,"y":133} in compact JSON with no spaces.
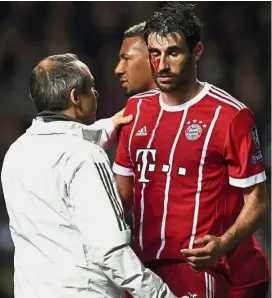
{"x":53,"y":79}
{"x":175,"y":17}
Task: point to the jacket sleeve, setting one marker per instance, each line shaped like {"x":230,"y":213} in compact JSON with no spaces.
{"x":108,"y":132}
{"x":99,"y":216}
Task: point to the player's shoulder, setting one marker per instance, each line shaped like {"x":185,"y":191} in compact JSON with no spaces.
{"x":232,"y":110}
{"x":144,"y":97}
{"x":147,"y":94}
{"x":153,"y":93}
{"x":229,"y":103}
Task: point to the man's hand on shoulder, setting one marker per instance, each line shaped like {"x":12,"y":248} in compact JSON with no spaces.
{"x":119,"y":119}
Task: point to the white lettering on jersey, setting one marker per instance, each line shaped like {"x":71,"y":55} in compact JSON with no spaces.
{"x":143,"y":154}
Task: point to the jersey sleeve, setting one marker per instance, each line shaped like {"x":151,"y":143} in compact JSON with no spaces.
{"x":242,"y":151}
{"x":123,"y":164}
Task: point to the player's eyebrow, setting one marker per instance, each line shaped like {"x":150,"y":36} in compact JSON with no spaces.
{"x":171,"y":48}
{"x":174,"y":48}
{"x":150,"y":49}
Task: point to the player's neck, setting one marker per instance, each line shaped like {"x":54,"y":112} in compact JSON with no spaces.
{"x":152,"y":85}
{"x":183,"y":95}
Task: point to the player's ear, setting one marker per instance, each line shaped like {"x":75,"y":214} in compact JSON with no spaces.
{"x":75,"y":99}
{"x":197,"y":51}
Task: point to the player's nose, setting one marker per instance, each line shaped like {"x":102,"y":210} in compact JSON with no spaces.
{"x":119,"y":69}
{"x":163,"y":65}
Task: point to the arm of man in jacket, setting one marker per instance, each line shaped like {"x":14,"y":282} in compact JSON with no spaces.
{"x":109,"y":128}
{"x":99,"y":216}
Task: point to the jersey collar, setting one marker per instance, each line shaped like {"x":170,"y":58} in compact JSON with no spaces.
{"x":188,"y":103}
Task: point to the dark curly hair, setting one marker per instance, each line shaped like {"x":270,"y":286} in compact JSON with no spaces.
{"x":175,"y":17}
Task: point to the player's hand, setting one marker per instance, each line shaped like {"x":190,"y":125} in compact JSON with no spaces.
{"x":119,"y":119}
{"x":202,"y":258}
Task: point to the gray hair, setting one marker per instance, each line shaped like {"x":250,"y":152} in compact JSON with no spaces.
{"x":53,"y":79}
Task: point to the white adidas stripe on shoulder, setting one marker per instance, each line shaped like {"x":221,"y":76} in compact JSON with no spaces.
{"x":224,"y":94}
{"x":225,"y":100}
{"x":145,"y":94}
{"x":149,"y":91}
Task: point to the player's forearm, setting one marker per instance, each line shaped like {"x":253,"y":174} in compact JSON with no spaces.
{"x":125,"y":188}
{"x":250,"y":218}
{"x":123,"y":267}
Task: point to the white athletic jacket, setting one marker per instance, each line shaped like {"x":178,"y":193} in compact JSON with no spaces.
{"x":66,"y":218}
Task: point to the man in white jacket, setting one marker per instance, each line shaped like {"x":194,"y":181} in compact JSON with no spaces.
{"x":66,"y":217}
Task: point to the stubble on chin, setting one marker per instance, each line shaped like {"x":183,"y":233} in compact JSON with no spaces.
{"x":167,"y":88}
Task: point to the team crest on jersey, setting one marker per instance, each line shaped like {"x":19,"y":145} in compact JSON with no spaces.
{"x":194,"y":130}
{"x":255,"y":138}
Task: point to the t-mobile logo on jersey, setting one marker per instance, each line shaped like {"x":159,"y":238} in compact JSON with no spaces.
{"x":144,"y":166}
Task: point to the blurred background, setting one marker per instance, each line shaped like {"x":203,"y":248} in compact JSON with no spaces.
{"x":237,"y":49}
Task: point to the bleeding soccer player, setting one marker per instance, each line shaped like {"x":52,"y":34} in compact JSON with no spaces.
{"x":194,"y":153}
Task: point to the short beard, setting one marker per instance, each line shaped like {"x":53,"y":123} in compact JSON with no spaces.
{"x":175,"y":86}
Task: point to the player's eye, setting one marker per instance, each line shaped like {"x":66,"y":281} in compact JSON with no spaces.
{"x":174,"y":54}
{"x":124,"y":57}
{"x":154,"y":54}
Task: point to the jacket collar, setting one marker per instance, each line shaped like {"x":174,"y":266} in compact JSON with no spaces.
{"x":49,"y":116}
{"x":62,"y":124}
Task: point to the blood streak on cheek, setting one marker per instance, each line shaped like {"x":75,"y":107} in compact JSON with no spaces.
{"x":155,"y":63}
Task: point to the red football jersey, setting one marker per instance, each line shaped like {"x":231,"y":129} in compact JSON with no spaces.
{"x":189,"y":164}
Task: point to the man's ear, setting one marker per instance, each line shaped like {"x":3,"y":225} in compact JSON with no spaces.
{"x":74,"y":97}
{"x":197,"y":51}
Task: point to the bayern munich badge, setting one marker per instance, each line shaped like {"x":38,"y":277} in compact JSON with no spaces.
{"x":193,"y":132}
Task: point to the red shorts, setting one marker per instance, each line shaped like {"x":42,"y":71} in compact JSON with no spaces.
{"x":182,"y":280}
{"x":256,"y":291}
